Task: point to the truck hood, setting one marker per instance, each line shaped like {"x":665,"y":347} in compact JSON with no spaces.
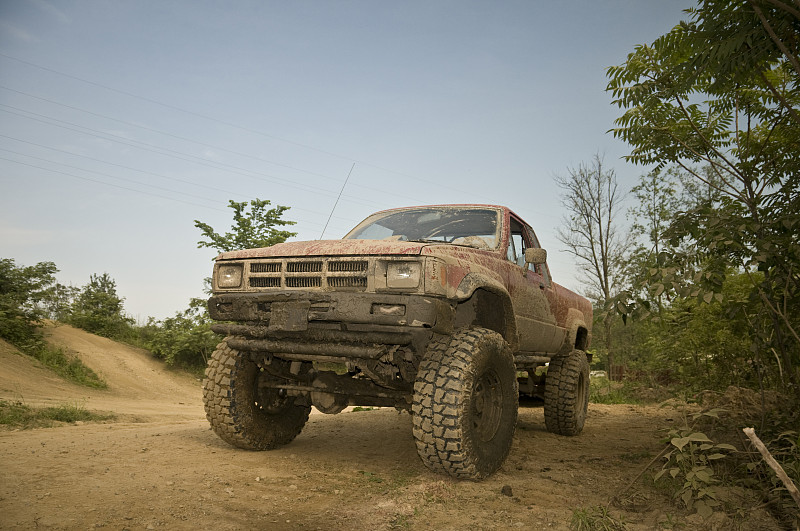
{"x":328,"y":248}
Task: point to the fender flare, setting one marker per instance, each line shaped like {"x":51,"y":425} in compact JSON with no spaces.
{"x":575,"y":321}
{"x":473,"y":282}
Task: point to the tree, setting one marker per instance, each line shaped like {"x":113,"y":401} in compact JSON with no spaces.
{"x":187,"y":339}
{"x":592,"y":201}
{"x":98,"y":309}
{"x":658,"y":202}
{"x":256,"y":228}
{"x":722,"y":92}
{"x":21,"y":291}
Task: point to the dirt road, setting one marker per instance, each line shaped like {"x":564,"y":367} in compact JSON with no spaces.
{"x":160,"y":467}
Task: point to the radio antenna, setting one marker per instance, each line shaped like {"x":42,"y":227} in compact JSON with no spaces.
{"x":337,"y":200}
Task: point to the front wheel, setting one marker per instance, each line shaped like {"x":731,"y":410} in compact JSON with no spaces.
{"x":465,"y":404}
{"x":242,"y":410}
{"x":566,"y":393}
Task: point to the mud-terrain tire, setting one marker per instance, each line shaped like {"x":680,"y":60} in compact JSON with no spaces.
{"x":566,"y":393}
{"x":240,"y":414}
{"x":465,"y":404}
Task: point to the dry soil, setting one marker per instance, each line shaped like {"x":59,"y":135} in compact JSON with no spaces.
{"x":158,"y":465}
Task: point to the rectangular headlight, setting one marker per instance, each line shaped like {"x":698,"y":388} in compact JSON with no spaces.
{"x":229,"y":276}
{"x":404,"y":275}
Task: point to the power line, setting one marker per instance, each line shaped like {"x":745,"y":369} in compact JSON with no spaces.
{"x":217,"y":120}
{"x":165,"y":133}
{"x":96,"y":181}
{"x":183,"y":181}
{"x":172,"y":153}
{"x":109,"y":184}
{"x":171,"y":135}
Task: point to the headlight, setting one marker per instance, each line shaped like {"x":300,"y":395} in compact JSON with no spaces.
{"x":403,"y":274}
{"x":229,"y":276}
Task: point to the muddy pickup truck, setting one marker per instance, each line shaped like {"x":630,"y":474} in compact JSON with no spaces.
{"x":448,"y":312}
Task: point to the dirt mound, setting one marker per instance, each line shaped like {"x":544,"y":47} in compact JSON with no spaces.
{"x":137,"y":384}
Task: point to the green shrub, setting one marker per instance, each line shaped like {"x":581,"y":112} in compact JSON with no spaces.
{"x":18,"y":415}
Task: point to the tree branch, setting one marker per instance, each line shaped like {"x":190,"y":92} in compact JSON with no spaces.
{"x":773,"y":464}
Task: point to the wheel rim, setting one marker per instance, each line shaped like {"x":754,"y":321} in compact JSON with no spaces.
{"x":487,"y":406}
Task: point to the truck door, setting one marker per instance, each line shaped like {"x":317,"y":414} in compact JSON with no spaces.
{"x":528,"y":287}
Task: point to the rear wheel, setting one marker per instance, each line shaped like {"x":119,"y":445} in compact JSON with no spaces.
{"x":566,"y":395}
{"x":241,"y":407}
{"x":465,"y":404}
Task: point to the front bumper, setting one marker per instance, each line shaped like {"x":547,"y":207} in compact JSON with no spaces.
{"x":292,"y":311}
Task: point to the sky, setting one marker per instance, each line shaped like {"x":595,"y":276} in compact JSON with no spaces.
{"x":122,"y":122}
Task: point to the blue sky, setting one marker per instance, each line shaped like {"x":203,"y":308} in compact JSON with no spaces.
{"x":122,"y":122}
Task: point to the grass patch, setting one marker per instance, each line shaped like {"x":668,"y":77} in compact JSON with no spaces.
{"x":67,"y":366}
{"x":19,"y":415}
{"x":70,"y":367}
{"x":595,"y":518}
{"x":604,"y":391}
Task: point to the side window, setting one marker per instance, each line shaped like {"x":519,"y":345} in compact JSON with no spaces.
{"x":517,"y":244}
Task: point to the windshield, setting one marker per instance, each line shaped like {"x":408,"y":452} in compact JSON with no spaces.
{"x":469,"y":226}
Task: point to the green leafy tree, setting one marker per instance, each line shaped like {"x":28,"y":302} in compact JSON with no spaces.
{"x":57,"y":301}
{"x":98,"y":309}
{"x":22,"y":290}
{"x":186,"y":339}
{"x":257,"y":228}
{"x":658,"y":200}
{"x":721,"y":92}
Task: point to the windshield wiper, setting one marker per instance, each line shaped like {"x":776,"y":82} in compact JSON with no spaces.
{"x":426,"y":240}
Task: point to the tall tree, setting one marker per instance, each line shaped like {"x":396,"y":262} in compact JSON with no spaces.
{"x":658,"y":199}
{"x":722,"y":91}
{"x":591,"y":234}
{"x":256,"y":228}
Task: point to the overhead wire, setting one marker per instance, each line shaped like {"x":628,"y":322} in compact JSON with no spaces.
{"x":427,"y":182}
{"x":166,"y":177}
{"x":176,"y":154}
{"x":198,"y":142}
{"x":136,"y":190}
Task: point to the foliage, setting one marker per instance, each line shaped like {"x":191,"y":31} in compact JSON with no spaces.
{"x":256,"y":228}
{"x":98,"y":309}
{"x":690,"y":460}
{"x":21,"y":291}
{"x":185,"y":340}
{"x":604,"y":391}
{"x":722,"y":92}
{"x":18,"y":415}
{"x":57,"y":301}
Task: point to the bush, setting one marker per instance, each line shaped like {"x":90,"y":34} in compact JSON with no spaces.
{"x":185,"y":340}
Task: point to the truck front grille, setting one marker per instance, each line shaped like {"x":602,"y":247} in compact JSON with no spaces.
{"x":301,"y":273}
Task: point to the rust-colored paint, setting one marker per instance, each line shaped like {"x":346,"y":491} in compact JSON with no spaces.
{"x":540,"y":306}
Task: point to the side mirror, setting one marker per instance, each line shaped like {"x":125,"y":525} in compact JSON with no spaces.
{"x":535,"y":256}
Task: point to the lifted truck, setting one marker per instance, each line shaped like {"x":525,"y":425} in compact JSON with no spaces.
{"x":446,"y":311}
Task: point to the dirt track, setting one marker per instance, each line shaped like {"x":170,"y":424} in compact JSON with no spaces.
{"x":160,"y":467}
